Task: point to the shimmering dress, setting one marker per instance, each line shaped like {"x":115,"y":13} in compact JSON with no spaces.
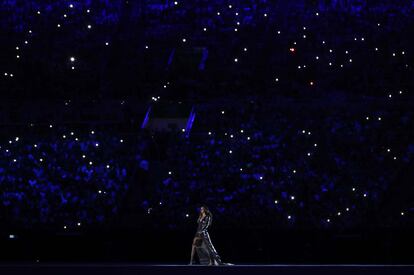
{"x":206,"y":248}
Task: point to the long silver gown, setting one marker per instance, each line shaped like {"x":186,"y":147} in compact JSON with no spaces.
{"x":206,"y":252}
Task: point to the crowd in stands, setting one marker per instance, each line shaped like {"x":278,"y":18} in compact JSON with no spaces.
{"x":60,"y":177}
{"x":303,"y":113}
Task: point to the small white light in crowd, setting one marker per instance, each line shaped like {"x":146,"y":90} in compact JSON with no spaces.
{"x":38,"y":12}
{"x":289,"y":217}
{"x":241,"y":169}
{"x":175,"y":3}
{"x":71,"y":6}
{"x":278,"y":32}
{"x":184,"y":40}
{"x":169,"y":172}
{"x":121,"y":141}
{"x":41,"y":160}
{"x":388,"y":150}
{"x":235,"y":29}
{"x":276,"y":202}
{"x":99,"y":191}
{"x":10,"y":142}
{"x":292,"y":198}
{"x":209,"y":133}
{"x":64,"y":136}
{"x":72,"y":59}
{"x":402,"y":213}
{"x":90,"y":163}
{"x":317,"y":57}
{"x":73,"y":67}
{"x":365,"y":195}
{"x":65,"y":15}
{"x":35,"y":145}
{"x":245,"y":49}
{"x":265,"y":15}
{"x":393,"y":54}
{"x":11,"y":236}
{"x":64,"y":227}
{"x":294,"y":171}
{"x":16,"y":139}
{"x":88,"y":11}
{"x":50,"y":126}
{"x":97,"y":144}
{"x":395,"y":158}
{"x":92,"y":132}
{"x":107,"y":166}
{"x":218,"y":13}
{"x":390,"y":95}
{"x":376,"y":49}
{"x":260,"y":177}
{"x":328,"y":220}
{"x":309,"y":154}
{"x":89,"y":27}
{"x":205,"y":29}
{"x":79,"y":224}
{"x":277,"y":79}
{"x":71,"y":133}
{"x":76,"y":139}
{"x":248,"y":138}
{"x":402,"y":52}
{"x":347,"y":209}
{"x":230,"y":151}
{"x":339,"y":213}
{"x":236,"y":60}
{"x":379,"y":118}
{"x":317,"y":14}
{"x":14,"y":160}
{"x":315,"y":145}
{"x":107,"y":43}
{"x":186,"y":215}
{"x":17,"y":48}
{"x":241,"y":131}
{"x":222,"y":112}
{"x":146,"y":46}
{"x":353,"y":189}
{"x":183,"y":130}
{"x":400,"y":92}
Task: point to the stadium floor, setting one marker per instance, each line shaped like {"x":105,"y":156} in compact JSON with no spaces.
{"x":129,"y":268}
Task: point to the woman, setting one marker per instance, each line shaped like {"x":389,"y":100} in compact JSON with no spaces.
{"x":202,"y":242}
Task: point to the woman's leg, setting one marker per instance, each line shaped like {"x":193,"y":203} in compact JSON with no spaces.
{"x":192,"y":254}
{"x":193,"y":247}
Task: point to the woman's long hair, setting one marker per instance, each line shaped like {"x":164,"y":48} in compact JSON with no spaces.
{"x":206,"y":210}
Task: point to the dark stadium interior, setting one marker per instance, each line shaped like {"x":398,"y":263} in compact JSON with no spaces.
{"x":292,"y":120}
